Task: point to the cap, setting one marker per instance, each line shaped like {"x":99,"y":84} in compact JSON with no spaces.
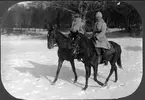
{"x":77,"y":15}
{"x":99,"y":14}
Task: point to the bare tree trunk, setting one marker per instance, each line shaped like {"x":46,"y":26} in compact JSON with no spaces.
{"x":83,"y":8}
{"x":57,"y":19}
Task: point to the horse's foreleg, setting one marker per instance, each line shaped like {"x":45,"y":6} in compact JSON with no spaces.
{"x":74,"y":70}
{"x":89,"y":71}
{"x":95,"y":68}
{"x":87,"y":76}
{"x":60,"y":61}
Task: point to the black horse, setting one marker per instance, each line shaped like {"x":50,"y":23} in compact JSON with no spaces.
{"x":89,"y":57}
{"x":64,"y":49}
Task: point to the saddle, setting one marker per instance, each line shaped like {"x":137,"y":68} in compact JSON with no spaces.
{"x":111,"y":50}
{"x":102,"y":52}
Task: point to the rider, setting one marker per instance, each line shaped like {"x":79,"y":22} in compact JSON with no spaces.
{"x":100,"y":37}
{"x":77,"y":24}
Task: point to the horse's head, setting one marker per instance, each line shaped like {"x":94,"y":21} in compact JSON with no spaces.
{"x":51,"y":35}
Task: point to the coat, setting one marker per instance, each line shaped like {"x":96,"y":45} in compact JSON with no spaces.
{"x":78,"y":26}
{"x":99,"y":32}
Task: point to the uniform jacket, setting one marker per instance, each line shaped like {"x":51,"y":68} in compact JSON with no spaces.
{"x":99,"y":32}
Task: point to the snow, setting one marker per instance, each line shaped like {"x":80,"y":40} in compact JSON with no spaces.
{"x":24,"y":3}
{"x":28,"y":68}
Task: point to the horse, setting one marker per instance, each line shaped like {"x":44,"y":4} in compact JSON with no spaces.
{"x":64,"y":50}
{"x":85,"y":46}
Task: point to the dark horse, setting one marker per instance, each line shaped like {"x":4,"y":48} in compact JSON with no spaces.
{"x":89,"y":57}
{"x":64,"y":49}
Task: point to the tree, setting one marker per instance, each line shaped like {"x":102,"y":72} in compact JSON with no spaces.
{"x":61,"y":13}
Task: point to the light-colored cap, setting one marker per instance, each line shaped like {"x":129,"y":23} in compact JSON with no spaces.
{"x":77,"y":15}
{"x":99,"y":14}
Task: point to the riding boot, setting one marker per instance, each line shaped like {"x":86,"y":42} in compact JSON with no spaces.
{"x":107,"y":52}
{"x":105,"y":59}
{"x":79,"y":59}
{"x":99,"y":55}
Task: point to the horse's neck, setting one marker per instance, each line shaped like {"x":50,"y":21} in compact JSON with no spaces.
{"x":85,"y":40}
{"x":85,"y":45}
{"x":61,"y":40}
{"x":93,"y":48}
{"x":89,"y":46}
{"x":60,"y":35}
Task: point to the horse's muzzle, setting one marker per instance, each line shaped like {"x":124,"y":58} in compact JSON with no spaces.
{"x":49,"y":46}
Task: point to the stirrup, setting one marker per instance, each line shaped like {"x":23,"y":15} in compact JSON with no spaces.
{"x":79,"y":59}
{"x":105,"y":62}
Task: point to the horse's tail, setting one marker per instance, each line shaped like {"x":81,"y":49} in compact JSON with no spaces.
{"x":119,"y":62}
{"x":118,"y":55}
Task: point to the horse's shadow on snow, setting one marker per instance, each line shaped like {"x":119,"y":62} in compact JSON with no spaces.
{"x":46,"y":71}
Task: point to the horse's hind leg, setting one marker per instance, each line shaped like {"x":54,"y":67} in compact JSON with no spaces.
{"x":60,"y":61}
{"x":116,"y":76}
{"x":74,"y":70}
{"x":111,"y":71}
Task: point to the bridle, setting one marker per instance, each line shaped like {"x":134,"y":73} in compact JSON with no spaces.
{"x":51,"y":36}
{"x":76,"y":47}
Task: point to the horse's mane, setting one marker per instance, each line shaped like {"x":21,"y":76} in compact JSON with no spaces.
{"x":88,"y":42}
{"x":86,"y":39}
{"x":62,"y":35}
{"x":83,"y":37}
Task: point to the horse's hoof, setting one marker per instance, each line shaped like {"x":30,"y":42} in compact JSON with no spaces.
{"x":115,"y":81}
{"x":105,"y":84}
{"x":100,"y":83}
{"x":84,"y":89}
{"x":52,"y":83}
{"x":74,"y":81}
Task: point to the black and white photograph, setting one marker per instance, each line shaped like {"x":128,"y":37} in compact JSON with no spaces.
{"x":71,"y":49}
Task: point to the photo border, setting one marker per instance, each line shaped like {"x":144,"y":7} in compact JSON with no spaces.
{"x":138,"y":94}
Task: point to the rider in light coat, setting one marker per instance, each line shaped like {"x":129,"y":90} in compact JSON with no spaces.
{"x":100,"y":34}
{"x":77,"y":24}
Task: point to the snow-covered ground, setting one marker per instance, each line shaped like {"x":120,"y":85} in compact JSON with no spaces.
{"x":28,"y":68}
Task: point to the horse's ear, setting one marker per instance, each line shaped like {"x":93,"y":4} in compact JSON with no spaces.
{"x":48,"y":26}
{"x":78,"y":37}
{"x":55,"y":27}
{"x":49,"y":29}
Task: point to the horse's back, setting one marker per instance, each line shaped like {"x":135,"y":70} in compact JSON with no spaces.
{"x":116,"y":46}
